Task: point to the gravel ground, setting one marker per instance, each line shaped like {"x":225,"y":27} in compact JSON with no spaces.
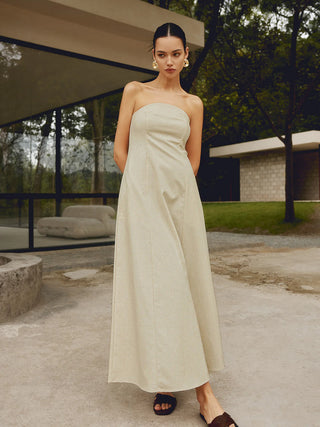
{"x":268,"y":295}
{"x":217,"y":241}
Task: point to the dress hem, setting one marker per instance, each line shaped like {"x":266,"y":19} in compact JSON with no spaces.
{"x":167,"y":389}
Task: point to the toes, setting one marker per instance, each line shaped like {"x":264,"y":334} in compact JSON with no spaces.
{"x":165,"y":406}
{"x":162,"y":406}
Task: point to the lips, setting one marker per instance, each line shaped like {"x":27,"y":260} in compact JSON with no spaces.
{"x":170,"y":69}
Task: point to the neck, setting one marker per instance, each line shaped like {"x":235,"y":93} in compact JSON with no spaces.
{"x":164,"y":83}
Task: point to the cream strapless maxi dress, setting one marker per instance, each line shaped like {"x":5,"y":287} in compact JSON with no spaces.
{"x":165,"y":332}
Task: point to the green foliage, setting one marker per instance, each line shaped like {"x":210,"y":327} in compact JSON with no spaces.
{"x":254,"y":218}
{"x":247,"y":61}
{"x":27,"y":161}
{"x":250,"y":60}
{"x":77,"y":123}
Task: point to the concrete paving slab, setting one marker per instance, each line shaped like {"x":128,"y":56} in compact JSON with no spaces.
{"x":300,"y":262}
{"x":71,"y":259}
{"x":80,"y":274}
{"x":54,"y":360}
{"x":298,"y":270}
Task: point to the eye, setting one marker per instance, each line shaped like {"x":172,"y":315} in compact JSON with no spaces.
{"x":177,"y":54}
{"x":161,"y":55}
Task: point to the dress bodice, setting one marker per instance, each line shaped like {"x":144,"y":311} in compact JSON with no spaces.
{"x":162,"y":122}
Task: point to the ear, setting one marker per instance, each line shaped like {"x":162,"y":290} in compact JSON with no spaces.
{"x":187,"y":52}
{"x":153,"y":57}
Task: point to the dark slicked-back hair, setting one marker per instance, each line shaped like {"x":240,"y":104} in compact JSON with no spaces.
{"x":170,"y":29}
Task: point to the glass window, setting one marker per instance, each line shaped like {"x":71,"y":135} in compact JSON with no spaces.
{"x":54,"y":103}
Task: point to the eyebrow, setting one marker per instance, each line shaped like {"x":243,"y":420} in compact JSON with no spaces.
{"x":163,"y":51}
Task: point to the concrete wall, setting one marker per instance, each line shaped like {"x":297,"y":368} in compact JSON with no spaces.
{"x":262,"y":177}
{"x":116,"y":30}
{"x":306,"y":175}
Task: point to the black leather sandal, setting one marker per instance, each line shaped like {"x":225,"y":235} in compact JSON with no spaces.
{"x":164,"y":398}
{"x":223,"y":420}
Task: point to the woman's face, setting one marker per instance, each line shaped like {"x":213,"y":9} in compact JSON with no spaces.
{"x":169,"y":54}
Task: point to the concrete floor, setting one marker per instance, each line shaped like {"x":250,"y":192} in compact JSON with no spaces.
{"x":53,"y":363}
{"x":15,"y":238}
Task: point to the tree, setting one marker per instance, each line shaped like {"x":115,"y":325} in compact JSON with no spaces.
{"x":296,"y":13}
{"x":262,"y":52}
{"x":209,"y":12}
{"x":95,"y":110}
{"x":11,"y":161}
{"x":38,"y":173}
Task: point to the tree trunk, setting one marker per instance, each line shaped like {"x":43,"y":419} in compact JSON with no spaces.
{"x":289,"y":214}
{"x":45,"y":131}
{"x":38,"y":175}
{"x":95,"y":110}
{"x":187,"y":82}
{"x":297,"y":18}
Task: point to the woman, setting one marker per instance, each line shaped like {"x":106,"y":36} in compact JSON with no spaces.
{"x":165,"y":333}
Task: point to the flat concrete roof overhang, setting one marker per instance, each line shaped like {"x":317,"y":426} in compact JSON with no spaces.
{"x":90,"y":48}
{"x":302,"y":141}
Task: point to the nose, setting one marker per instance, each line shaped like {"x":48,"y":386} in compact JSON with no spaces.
{"x":169,"y":60}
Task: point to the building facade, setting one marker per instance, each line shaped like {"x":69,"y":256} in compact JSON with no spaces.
{"x":59,"y":61}
{"x":263,"y":163}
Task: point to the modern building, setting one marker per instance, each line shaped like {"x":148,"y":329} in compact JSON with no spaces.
{"x":262,"y":167}
{"x":55,"y":54}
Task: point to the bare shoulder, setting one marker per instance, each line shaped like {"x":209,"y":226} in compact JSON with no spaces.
{"x":195,"y":103}
{"x":195,"y":106}
{"x":131,"y":92}
{"x":132,"y":88}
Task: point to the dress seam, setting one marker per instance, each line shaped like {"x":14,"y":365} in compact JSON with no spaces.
{"x":114,"y":289}
{"x":147,"y":183}
{"x":184,"y":209}
{"x":186,"y":186}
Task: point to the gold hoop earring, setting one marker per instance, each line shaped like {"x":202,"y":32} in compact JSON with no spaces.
{"x":154,"y":64}
{"x":186,"y":63}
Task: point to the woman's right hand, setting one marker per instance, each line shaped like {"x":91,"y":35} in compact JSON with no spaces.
{"x":121,"y":140}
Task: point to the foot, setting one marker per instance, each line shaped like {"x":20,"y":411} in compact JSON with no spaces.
{"x":210,"y":408}
{"x":163,"y":406}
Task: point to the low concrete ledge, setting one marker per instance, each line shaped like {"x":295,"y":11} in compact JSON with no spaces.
{"x":20,"y":284}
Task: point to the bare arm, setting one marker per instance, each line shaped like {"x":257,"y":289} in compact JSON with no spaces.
{"x":193,"y":145}
{"x":121,"y":140}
